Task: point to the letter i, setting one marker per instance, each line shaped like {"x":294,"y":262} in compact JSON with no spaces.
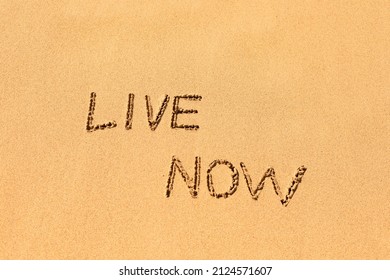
{"x":130,"y":109}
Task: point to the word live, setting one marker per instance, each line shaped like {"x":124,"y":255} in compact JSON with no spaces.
{"x":153,"y":123}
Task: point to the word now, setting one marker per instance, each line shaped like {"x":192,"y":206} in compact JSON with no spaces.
{"x":193,"y":183}
{"x":153,"y":122}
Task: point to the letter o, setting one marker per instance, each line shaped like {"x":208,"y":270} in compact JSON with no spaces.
{"x":235,"y":176}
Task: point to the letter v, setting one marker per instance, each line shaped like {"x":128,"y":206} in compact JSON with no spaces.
{"x":271,"y":173}
{"x":154,"y":123}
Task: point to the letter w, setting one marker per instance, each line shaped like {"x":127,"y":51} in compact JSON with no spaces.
{"x":271,"y":174}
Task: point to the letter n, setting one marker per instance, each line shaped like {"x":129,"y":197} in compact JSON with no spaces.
{"x":192,"y":183}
